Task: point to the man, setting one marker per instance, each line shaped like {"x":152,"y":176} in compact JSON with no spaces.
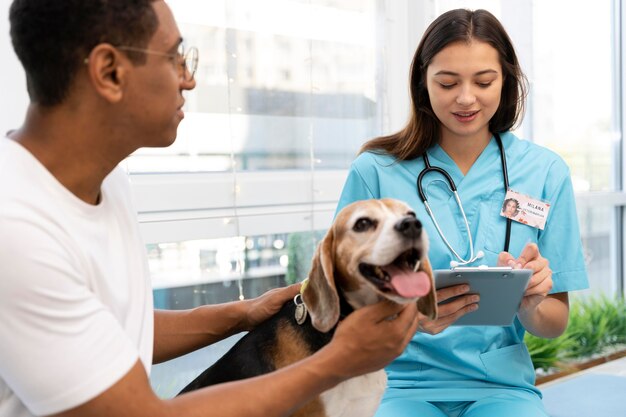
{"x":78,"y":333}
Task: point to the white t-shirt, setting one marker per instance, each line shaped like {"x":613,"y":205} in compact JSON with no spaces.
{"x":75,"y":301}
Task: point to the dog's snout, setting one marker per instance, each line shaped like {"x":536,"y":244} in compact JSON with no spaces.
{"x":409,"y":227}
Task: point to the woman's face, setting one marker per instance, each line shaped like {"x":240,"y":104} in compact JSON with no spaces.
{"x":464,"y":82}
{"x":510,"y":208}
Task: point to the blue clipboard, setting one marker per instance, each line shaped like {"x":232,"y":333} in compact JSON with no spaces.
{"x":501,"y":290}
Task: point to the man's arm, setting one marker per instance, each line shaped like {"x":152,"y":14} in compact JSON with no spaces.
{"x":179,"y":332}
{"x":365,"y":341}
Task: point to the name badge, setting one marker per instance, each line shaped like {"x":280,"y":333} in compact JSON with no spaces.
{"x":524,"y":209}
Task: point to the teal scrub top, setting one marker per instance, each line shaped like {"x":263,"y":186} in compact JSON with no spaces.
{"x":465,"y":363}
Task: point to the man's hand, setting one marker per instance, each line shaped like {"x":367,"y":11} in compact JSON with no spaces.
{"x":259,"y":309}
{"x":371,"y":337}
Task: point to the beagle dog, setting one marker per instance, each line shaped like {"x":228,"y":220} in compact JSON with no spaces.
{"x":375,"y":249}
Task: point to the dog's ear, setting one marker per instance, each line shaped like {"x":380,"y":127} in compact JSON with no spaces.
{"x":427,"y":305}
{"x":320,"y":294}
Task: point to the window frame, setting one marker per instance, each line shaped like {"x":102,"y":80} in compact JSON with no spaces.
{"x":178,"y":207}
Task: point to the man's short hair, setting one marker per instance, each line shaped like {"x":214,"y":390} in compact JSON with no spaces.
{"x":52,"y":38}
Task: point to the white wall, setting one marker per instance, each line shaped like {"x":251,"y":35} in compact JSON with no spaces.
{"x":13,"y":96}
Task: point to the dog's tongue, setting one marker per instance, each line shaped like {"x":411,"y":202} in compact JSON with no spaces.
{"x":407,"y":283}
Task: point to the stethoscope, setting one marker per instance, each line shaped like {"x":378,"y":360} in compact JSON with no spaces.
{"x":429,"y":168}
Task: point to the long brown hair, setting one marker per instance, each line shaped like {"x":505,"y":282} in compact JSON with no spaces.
{"x":423,"y":129}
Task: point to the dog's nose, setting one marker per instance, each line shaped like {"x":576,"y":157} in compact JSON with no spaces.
{"x":409,"y":227}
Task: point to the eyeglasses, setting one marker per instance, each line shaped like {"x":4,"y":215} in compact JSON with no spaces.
{"x":186,"y":60}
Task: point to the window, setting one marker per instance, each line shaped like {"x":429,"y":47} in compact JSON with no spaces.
{"x":284,"y":100}
{"x":564,"y":82}
{"x":271,"y":91}
{"x":574,"y":110}
{"x":340,"y":93}
{"x":237,"y":205}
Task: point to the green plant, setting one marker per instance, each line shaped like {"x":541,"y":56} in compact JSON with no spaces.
{"x":548,"y":353}
{"x":300,"y":249}
{"x":588,"y":327}
{"x":595,"y":324}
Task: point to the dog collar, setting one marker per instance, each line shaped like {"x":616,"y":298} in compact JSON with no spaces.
{"x":303,"y":285}
{"x":301,"y":312}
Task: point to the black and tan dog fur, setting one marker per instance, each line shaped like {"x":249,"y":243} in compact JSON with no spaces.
{"x":348,"y":272}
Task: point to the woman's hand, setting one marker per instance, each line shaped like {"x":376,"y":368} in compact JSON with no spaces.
{"x":451,"y":311}
{"x":541,"y":281}
{"x":541,"y":313}
{"x":259,"y":309}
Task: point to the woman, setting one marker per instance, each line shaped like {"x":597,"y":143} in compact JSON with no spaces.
{"x":467,"y":92}
{"x":510,"y":208}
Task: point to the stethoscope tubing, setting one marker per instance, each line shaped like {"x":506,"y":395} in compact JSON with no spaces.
{"x":505,"y":177}
{"x":429,"y":168}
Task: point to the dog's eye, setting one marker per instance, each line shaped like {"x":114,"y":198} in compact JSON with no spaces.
{"x":412,"y":214}
{"x":364,"y":224}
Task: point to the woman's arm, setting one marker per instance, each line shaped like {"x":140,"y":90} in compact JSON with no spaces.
{"x":549,"y":318}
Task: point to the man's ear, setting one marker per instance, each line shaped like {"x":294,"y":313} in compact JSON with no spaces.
{"x":107,"y":69}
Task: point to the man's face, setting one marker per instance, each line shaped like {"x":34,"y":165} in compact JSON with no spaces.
{"x":154,"y":100}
